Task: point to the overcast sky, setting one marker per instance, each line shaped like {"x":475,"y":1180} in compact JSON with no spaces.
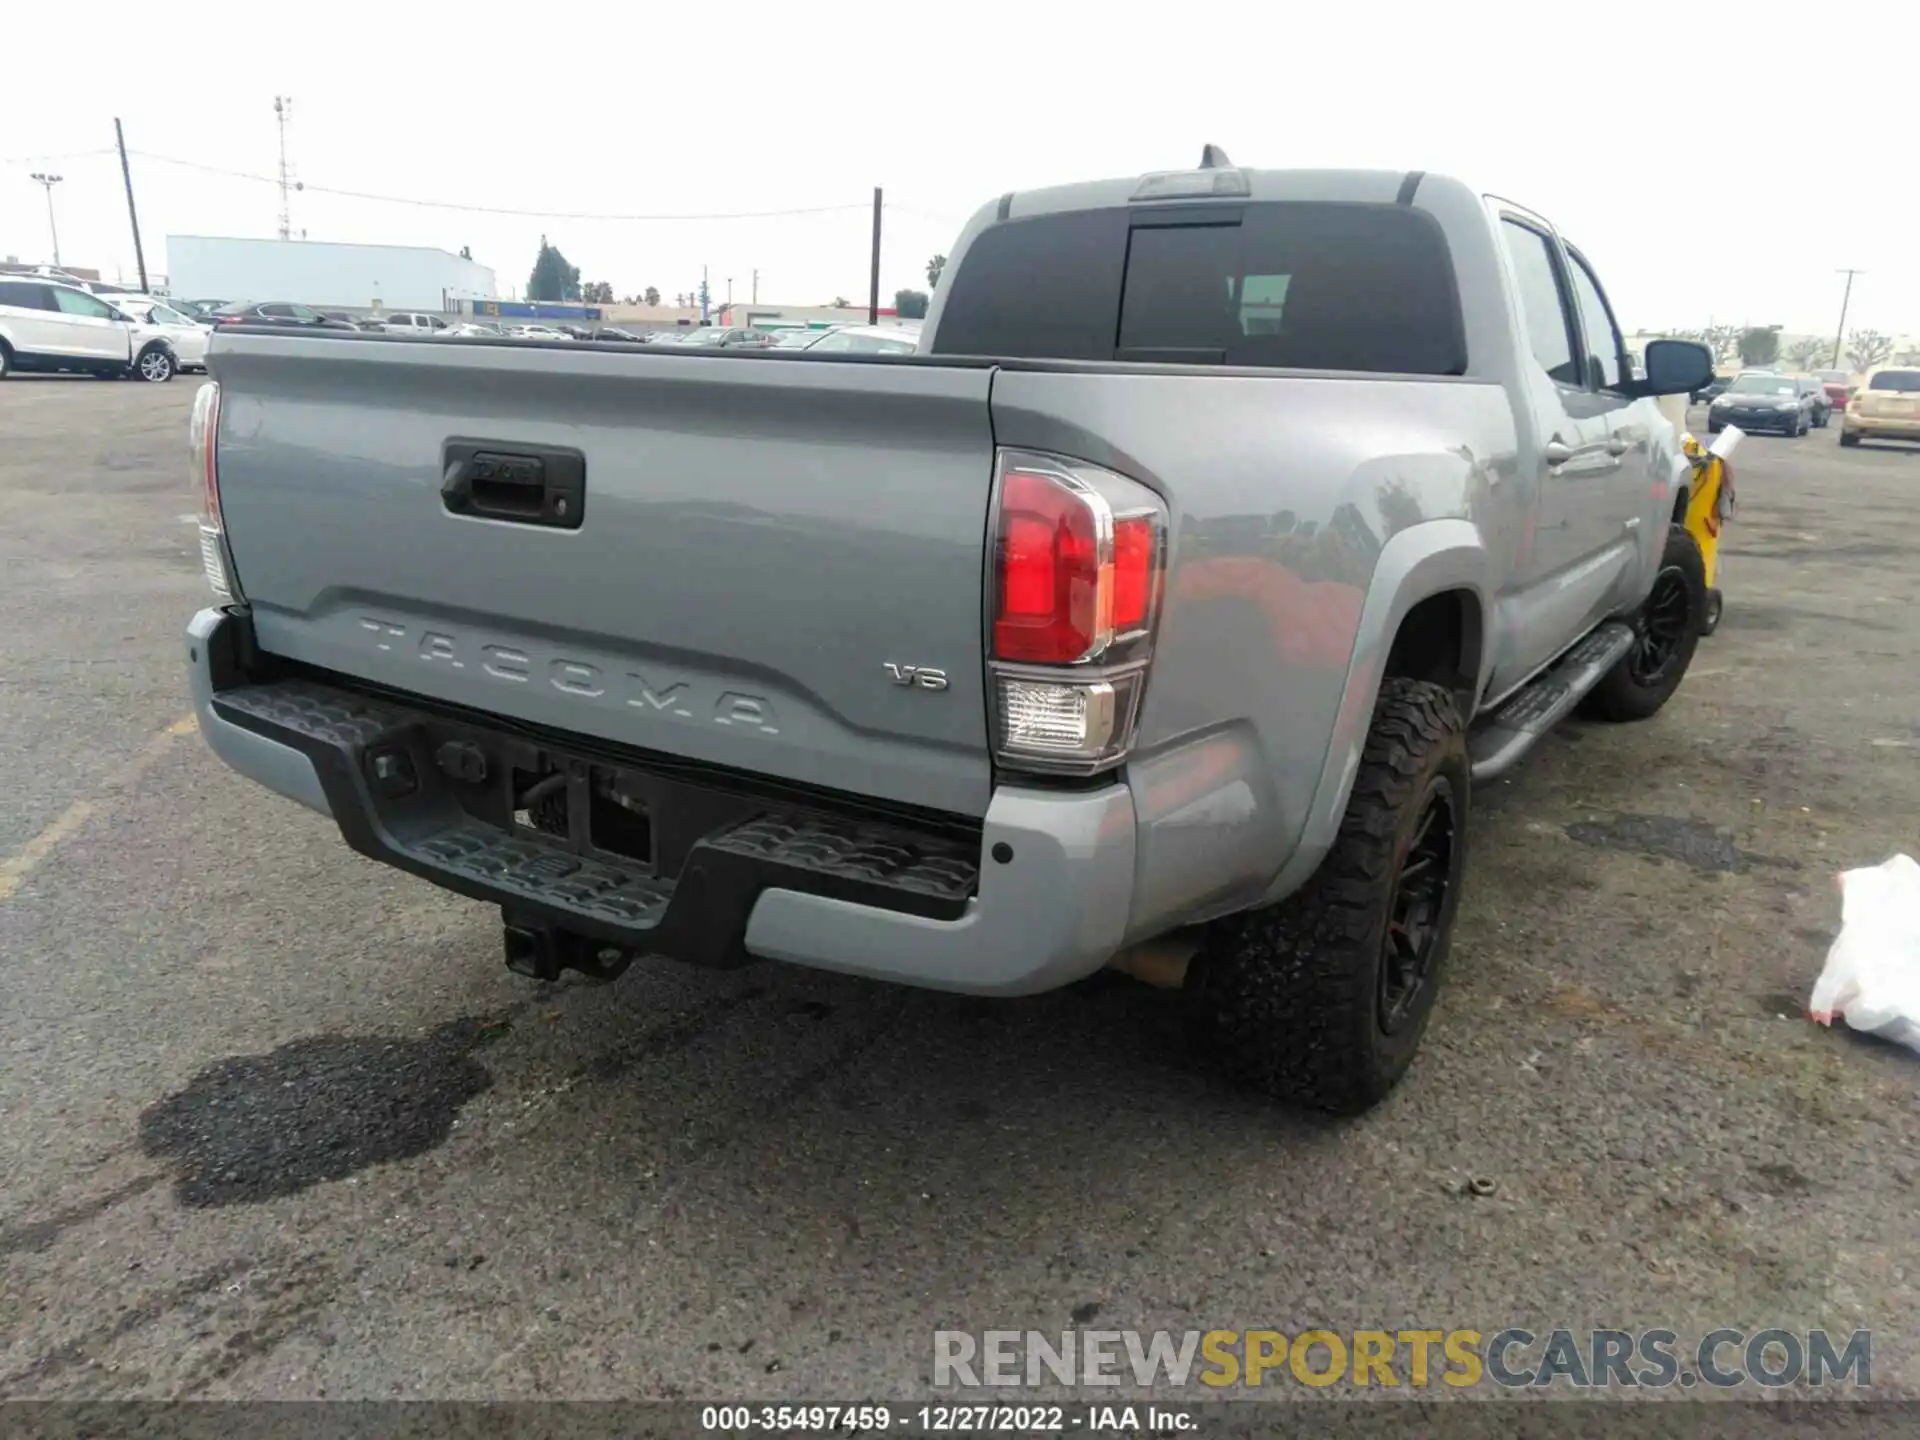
{"x":1718,"y":165}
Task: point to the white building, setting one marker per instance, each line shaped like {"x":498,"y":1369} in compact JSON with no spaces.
{"x":312,"y":272}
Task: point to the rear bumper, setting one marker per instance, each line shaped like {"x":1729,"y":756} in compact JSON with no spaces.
{"x":1881,"y":427}
{"x":1036,"y":898}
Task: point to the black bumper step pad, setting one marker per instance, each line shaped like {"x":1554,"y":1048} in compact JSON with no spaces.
{"x":698,"y":914}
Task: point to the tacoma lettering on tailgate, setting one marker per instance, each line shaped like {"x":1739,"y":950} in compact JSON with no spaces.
{"x":681,"y":699}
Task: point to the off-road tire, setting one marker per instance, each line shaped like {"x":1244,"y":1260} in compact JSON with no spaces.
{"x":1850,"y":441}
{"x":1289,"y":1000}
{"x":1628,"y":692}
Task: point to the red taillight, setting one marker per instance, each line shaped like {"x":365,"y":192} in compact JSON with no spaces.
{"x":1049,"y":572}
{"x":1079,"y":554}
{"x":202,"y":439}
{"x":1134,"y":572}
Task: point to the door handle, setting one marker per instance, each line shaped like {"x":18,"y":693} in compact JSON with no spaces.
{"x":1558,"y":452}
{"x":1616,"y":446}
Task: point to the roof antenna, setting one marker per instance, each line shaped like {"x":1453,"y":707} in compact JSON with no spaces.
{"x":1212,"y":157}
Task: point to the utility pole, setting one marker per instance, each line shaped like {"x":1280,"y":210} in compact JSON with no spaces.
{"x":133,"y":216}
{"x":49,"y":181}
{"x":873,"y":284}
{"x":755,"y":298}
{"x":1840,"y":335}
{"x":282,"y":113}
{"x":729,"y":299}
{"x":704,"y":315}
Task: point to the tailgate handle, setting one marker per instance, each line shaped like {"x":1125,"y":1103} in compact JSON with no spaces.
{"x":522,"y":484}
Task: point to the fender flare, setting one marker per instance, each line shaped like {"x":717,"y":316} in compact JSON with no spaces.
{"x":1419,"y":562}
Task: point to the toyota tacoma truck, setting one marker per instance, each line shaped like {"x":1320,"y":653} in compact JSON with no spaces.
{"x":1226,"y":529}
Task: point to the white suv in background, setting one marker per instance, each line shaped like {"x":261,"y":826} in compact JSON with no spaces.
{"x":414,"y":322}
{"x":49,"y":326}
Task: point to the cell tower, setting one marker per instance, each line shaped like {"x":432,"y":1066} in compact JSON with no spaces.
{"x":282,"y":113}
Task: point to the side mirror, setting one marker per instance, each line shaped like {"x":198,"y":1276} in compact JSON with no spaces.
{"x":1675,"y":367}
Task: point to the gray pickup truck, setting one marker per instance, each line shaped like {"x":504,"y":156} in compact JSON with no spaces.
{"x":1227,"y":527}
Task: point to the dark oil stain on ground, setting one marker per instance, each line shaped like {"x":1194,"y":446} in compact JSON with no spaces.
{"x":255,"y":1127}
{"x":1691,"y":842}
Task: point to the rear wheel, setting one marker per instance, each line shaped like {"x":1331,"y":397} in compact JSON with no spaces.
{"x":1322,"y":999}
{"x":1849,"y":439}
{"x":6,"y":360}
{"x":1667,"y":630}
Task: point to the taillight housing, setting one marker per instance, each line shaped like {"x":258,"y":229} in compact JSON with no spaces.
{"x":1079,"y":565}
{"x":202,"y":433}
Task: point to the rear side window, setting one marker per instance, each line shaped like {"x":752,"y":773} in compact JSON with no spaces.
{"x":1906,"y":382}
{"x":25,"y":297}
{"x":1291,"y":285}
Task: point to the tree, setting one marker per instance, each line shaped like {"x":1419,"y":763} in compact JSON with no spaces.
{"x":1808,"y":353}
{"x":840,"y":302}
{"x":465,"y":253}
{"x":935,"y":268}
{"x":1868,"y":348}
{"x":597,"y":292}
{"x":910,"y":304}
{"x":652,"y":296}
{"x":553,"y":278}
{"x":1759,"y":345}
{"x":1722,"y":340}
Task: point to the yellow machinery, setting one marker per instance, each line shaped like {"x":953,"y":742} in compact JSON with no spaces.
{"x":1710,"y":507}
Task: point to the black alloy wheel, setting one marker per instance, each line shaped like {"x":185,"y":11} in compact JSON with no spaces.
{"x":1665,"y":624}
{"x":1415,"y":930}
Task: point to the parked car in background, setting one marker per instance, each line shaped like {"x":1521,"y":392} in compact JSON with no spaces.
{"x":1816,"y":391}
{"x":1761,"y":400}
{"x":732,"y":337}
{"x":799,"y":339}
{"x":614,"y":332}
{"x":277,"y":312}
{"x":473,"y":328}
{"x":1886,"y":407}
{"x":201,"y":310}
{"x":1838,"y":393}
{"x":866,"y":340}
{"x":537,"y":332}
{"x":186,"y":335}
{"x":413,"y":322}
{"x":48,"y":326}
{"x":1712,"y":390}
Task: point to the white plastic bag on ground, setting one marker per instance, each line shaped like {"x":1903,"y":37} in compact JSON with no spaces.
{"x":1872,"y":978}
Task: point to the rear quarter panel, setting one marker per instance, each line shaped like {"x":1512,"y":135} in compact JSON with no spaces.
{"x":1308,"y":513}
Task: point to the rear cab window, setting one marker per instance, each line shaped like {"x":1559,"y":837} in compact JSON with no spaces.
{"x":1903,"y":382}
{"x":1283,"y":284}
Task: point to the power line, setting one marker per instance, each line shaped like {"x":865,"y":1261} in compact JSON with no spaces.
{"x":310,"y":189}
{"x":49,"y":159}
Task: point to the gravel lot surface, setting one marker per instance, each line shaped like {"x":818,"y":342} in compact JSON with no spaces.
{"x":278,"y":1122}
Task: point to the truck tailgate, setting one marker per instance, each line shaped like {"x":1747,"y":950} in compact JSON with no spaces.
{"x":764,"y":547}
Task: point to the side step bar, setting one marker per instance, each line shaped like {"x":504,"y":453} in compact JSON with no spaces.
{"x":1496,"y":745}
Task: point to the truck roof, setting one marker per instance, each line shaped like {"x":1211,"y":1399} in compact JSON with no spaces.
{"x":1221,"y":182}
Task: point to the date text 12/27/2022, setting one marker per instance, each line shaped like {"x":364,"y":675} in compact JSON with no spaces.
{"x":946,"y":1419}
